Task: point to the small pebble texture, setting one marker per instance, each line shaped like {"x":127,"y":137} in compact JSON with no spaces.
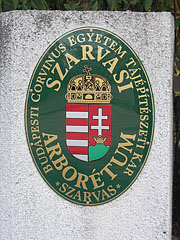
{"x":29,"y":208}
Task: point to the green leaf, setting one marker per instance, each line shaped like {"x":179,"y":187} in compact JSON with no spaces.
{"x":134,"y":2}
{"x":167,"y":3}
{"x":120,"y":5}
{"x":8,"y":6}
{"x":101,"y":5}
{"x":177,"y":22}
{"x":76,"y":6}
{"x":39,"y":4}
{"x":0,"y":6}
{"x":48,"y":4}
{"x":15,"y":4}
{"x":110,"y":4}
{"x":177,"y":53}
{"x":178,"y":64}
{"x":55,"y":4}
{"x":163,"y":8}
{"x":26,"y":4}
{"x":176,"y":93}
{"x":140,"y":7}
{"x":33,"y":4}
{"x":126,"y":1}
{"x":67,"y":6}
{"x":147,"y":4}
{"x":155,"y":6}
{"x":178,"y":2}
{"x":72,"y":6}
{"x":94,"y":6}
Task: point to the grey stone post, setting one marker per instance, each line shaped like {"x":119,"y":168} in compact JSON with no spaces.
{"x":29,"y":209}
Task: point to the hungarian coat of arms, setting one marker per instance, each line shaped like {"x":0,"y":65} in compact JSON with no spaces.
{"x":88,"y":116}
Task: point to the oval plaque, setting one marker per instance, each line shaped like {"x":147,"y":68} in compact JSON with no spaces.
{"x":89,"y":116}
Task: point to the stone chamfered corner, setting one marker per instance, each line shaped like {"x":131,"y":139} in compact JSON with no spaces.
{"x":29,"y":208}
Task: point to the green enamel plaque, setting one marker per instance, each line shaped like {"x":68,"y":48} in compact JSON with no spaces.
{"x":89,"y":116}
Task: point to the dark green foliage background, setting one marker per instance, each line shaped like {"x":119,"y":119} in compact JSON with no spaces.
{"x":122,"y":5}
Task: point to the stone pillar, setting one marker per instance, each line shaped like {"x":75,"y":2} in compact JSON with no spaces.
{"x":29,"y":209}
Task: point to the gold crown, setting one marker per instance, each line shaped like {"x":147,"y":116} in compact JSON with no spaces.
{"x":88,"y":88}
{"x":100,"y":140}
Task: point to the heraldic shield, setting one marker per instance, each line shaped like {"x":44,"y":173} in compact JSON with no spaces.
{"x":88,"y":116}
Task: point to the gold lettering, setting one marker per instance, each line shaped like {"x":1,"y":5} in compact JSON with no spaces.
{"x":77,"y":195}
{"x":129,"y":172}
{"x":97,"y":197}
{"x":143,"y":125}
{"x":106,"y":40}
{"x":142,"y":90}
{"x":63,"y":187}
{"x":72,"y":40}
{"x":50,"y":84}
{"x":35,"y":97}
{"x":40,"y":80}
{"x":46,"y":160}
{"x":35,"y":136}
{"x":61,"y":47}
{"x":118,"y":51}
{"x":74,"y":175}
{"x":95,"y":180}
{"x":71,"y":190}
{"x":113,"y":45}
{"x":54,"y":150}
{"x":86,"y":51}
{"x":123,"y":74}
{"x":87,"y":197}
{"x":56,"y":55}
{"x":50,"y":60}
{"x":137,"y":156}
{"x":125,"y":87}
{"x":119,"y":163}
{"x":90,"y":36}
{"x":108,"y":171}
{"x":35,"y":129}
{"x":143,"y":132}
{"x":47,"y":169}
{"x":82,"y":38}
{"x":82,"y":179}
{"x":50,"y":138}
{"x":111,"y":190}
{"x":98,"y":38}
{"x":60,"y":162}
{"x":99,"y":56}
{"x":112,"y":62}
{"x":70,"y":58}
{"x":139,"y":82}
{"x":105,"y":194}
{"x":144,"y":110}
{"x":38,"y":143}
{"x":132,"y":164}
{"x":59,"y":71}
{"x":131,"y":62}
{"x":127,"y":143}
{"x":40,"y":151}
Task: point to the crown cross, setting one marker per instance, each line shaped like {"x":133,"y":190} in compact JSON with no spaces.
{"x":87,"y":69}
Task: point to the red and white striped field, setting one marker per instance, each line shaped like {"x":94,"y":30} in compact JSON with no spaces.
{"x":77,"y":130}
{"x":83,"y":123}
